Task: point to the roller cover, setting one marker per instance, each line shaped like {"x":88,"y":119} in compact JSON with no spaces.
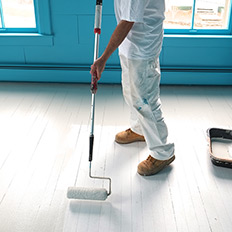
{"x":87,"y":193}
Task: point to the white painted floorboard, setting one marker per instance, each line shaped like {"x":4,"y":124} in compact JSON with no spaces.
{"x":44,"y":134}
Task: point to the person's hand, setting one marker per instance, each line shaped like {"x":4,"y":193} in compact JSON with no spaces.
{"x":98,"y":67}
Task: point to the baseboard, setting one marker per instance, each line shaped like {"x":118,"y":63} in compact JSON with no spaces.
{"x":112,"y":75}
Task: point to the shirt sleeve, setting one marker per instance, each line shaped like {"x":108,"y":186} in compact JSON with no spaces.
{"x":132,"y":10}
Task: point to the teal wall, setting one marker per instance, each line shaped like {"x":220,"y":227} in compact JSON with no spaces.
{"x":64,"y":50}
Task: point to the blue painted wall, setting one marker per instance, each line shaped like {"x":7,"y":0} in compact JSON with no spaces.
{"x":64,"y":51}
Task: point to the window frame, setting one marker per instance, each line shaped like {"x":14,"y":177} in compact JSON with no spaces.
{"x":205,"y":32}
{"x":43,"y":36}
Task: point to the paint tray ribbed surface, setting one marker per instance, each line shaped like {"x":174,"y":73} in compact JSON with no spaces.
{"x":220,"y":146}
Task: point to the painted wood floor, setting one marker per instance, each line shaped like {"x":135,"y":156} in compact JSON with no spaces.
{"x":44,"y":134}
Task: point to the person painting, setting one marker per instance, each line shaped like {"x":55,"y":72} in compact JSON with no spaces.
{"x":139,"y":36}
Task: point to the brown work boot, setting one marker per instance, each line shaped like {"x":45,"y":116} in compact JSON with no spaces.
{"x":151,"y":166}
{"x":128,"y":136}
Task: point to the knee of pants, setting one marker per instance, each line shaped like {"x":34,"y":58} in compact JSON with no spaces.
{"x":141,"y":106}
{"x":146,"y":109}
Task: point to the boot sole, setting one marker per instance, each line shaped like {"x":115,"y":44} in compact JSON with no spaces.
{"x":127,"y":142}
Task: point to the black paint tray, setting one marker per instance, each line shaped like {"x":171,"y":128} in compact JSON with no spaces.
{"x":220,"y":146}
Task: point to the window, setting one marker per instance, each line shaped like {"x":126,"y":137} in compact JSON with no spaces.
{"x":198,"y":16}
{"x":17,"y":16}
{"x":25,"y":23}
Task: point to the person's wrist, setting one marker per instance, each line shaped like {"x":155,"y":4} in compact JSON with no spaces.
{"x":104,"y":58}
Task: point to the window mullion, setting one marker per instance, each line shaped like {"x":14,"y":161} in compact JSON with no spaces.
{"x":193,"y":14}
{"x":229,"y":6}
{"x":1,"y":13}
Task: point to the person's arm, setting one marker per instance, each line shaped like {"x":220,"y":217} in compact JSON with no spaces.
{"x":116,"y":39}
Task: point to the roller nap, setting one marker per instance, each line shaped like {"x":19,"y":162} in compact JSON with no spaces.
{"x":87,"y":193}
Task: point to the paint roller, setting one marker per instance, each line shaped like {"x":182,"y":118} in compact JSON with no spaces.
{"x":82,"y":192}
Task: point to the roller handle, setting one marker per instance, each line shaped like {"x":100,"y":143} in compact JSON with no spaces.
{"x":91,"y":138}
{"x":93,"y":85}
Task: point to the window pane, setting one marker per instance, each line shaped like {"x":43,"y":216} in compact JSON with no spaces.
{"x":178,"y":14}
{"x":211,"y":14}
{"x":19,"y":13}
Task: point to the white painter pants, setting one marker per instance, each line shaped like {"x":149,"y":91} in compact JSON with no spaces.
{"x":140,"y":84}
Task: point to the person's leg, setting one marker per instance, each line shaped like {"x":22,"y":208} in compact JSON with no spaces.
{"x":133,"y":134}
{"x":140,"y":82}
{"x":144,"y":80}
{"x":126,"y":88}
